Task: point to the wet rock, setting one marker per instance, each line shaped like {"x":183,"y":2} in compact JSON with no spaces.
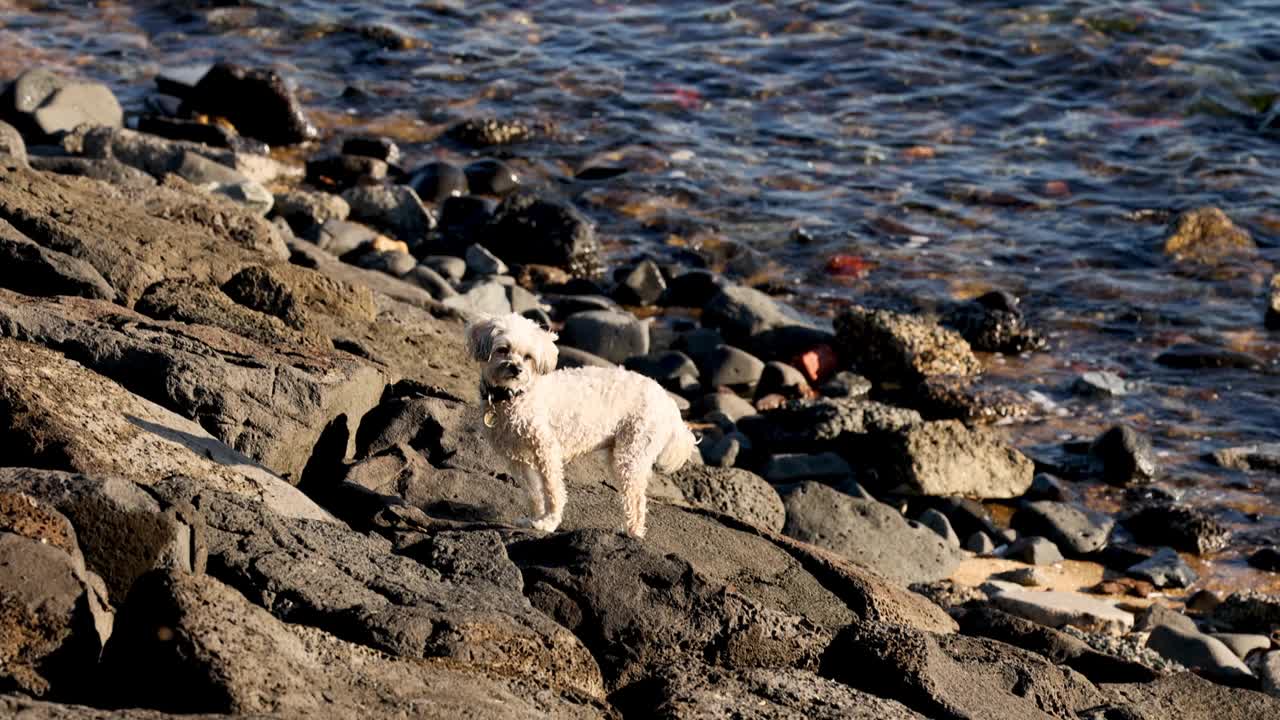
{"x":638,"y":610}
{"x":1261,"y":457}
{"x":60,"y":416}
{"x":827,"y":468}
{"x":306,"y":211}
{"x":939,"y":523}
{"x":614,"y":336}
{"x":734,"y":492}
{"x":979,"y":543}
{"x":191,"y":644}
{"x":486,"y":298}
{"x":1247,"y":611}
{"x":1243,"y":645}
{"x":1125,"y":456}
{"x":256,"y":102}
{"x":1197,"y":356}
{"x":205,"y":133}
{"x":1206,"y":235}
{"x":490,"y":131}
{"x":994,"y":323}
{"x":571,"y":357}
{"x":341,"y":172}
{"x":1267,"y":558}
{"x":1100,"y":383}
{"x":132,"y":242}
{"x":42,"y":104}
{"x":731,"y":367}
{"x":725,"y":451}
{"x":382,"y":148}
{"x":1058,"y":608}
{"x":730,"y":405}
{"x":669,"y":368}
{"x":899,"y":347}
{"x":1034,"y":551}
{"x":482,"y":262}
{"x":13,"y":149}
{"x":1165,"y":569}
{"x":694,"y":288}
{"x":947,"y":397}
{"x":529,"y":229}
{"x":1182,"y":527}
{"x":845,"y":384}
{"x":395,"y":209}
{"x":1272,"y":317}
{"x":491,"y":177}
{"x":742,"y":312}
{"x":33,"y":270}
{"x":868,"y":533}
{"x":1203,"y":654}
{"x":452,"y":268}
{"x":945,"y":458}
{"x":956,"y":676}
{"x":642,"y":285}
{"x":437,"y":181}
{"x":708,"y":693}
{"x":1077,"y":531}
{"x":826,"y":424}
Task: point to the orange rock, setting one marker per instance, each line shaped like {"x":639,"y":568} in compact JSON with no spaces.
{"x":817,"y":363}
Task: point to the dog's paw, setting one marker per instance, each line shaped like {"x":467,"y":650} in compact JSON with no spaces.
{"x":546,"y":523}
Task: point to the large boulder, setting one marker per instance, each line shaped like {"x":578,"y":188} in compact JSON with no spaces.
{"x":869,"y":533}
{"x":1186,"y":697}
{"x":257,"y":102}
{"x":732,"y":491}
{"x":28,"y":268}
{"x":944,"y":457}
{"x":890,"y":346}
{"x":58,"y":415}
{"x":826,"y":424}
{"x":527,"y":229}
{"x":273,"y":406}
{"x":741,"y":313}
{"x":191,"y":644}
{"x":1206,"y":235}
{"x":43,"y":104}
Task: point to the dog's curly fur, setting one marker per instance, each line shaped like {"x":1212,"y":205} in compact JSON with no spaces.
{"x":540,"y":418}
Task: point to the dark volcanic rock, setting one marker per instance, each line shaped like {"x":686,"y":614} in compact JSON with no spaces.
{"x":353,"y":586}
{"x":1206,"y":235}
{"x":437,"y":181}
{"x":948,"y":397}
{"x":1248,"y":611}
{"x":383,"y":148}
{"x":490,"y":131}
{"x":612,"y":335}
{"x":905,"y":348}
{"x":1198,"y":356}
{"x":945,"y":458}
{"x":340,"y":172}
{"x":694,"y":288}
{"x":1182,"y":527}
{"x":1034,"y":551}
{"x":1165,"y":569}
{"x":1261,"y":457}
{"x":825,"y":424}
{"x":638,"y":610}
{"x":1125,"y":456}
{"x":730,"y":366}
{"x":710,"y":693}
{"x":668,"y":368}
{"x":1186,"y":697}
{"x":33,"y":270}
{"x":307,"y":211}
{"x":732,"y":491}
{"x":491,"y":177}
{"x":257,"y":102}
{"x":394,"y":209}
{"x":868,"y":533}
{"x":192,"y":644}
{"x":742,"y":312}
{"x":528,"y":229}
{"x":993,"y":323}
{"x":1077,"y":531}
{"x":956,"y":677}
{"x":642,"y":285}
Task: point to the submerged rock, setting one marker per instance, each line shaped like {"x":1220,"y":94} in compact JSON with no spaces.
{"x":1125,"y":456}
{"x":529,"y":229}
{"x":1181,"y":527}
{"x":1206,"y":235}
{"x":894,"y":346}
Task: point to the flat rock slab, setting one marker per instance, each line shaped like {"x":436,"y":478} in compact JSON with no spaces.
{"x":1056,"y":609}
{"x":59,"y":415}
{"x":868,"y":533}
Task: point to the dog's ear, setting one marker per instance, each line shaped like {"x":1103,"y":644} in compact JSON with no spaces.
{"x":480,"y":335}
{"x":548,"y":354}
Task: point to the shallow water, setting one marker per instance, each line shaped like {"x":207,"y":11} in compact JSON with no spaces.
{"x":953,"y":147}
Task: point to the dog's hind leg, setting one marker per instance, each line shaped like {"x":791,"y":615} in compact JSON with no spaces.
{"x":635,"y":450}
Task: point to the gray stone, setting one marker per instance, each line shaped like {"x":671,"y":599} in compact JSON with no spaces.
{"x":939,"y":523}
{"x":1243,"y":645}
{"x":1034,"y":551}
{"x":827,"y":424}
{"x":724,"y":451}
{"x":944,"y":458}
{"x":827,"y":468}
{"x":1272,"y":317}
{"x":431,"y":281}
{"x":845,"y":384}
{"x":394,"y":209}
{"x":1268,"y":670}
{"x":248,"y":193}
{"x":158,"y":156}
{"x":614,"y":336}
{"x":868,"y":533}
{"x":980,"y":544}
{"x":436,"y":181}
{"x":1165,"y":569}
{"x":732,"y":406}
{"x":643,"y":285}
{"x":30,"y":269}
{"x":734,"y":492}
{"x":1248,"y":611}
{"x":782,"y":379}
{"x":107,"y":170}
{"x":392,"y":262}
{"x":1188,"y":697}
{"x":1056,"y":608}
{"x":522,"y":301}
{"x":487,"y":298}
{"x":1125,"y":456}
{"x":741,"y":312}
{"x":1076,"y":531}
{"x":1261,"y":457}
{"x":482,"y":262}
{"x":200,"y":170}
{"x":729,"y":366}
{"x":340,"y":237}
{"x":571,"y":357}
{"x":1157,"y":614}
{"x":906,"y":348}
{"x":1023,"y":577}
{"x":453,"y":268}
{"x":13,"y":148}
{"x":307,"y":210}
{"x":666,"y":367}
{"x":77,"y":104}
{"x":1201,"y":653}
{"x":1100,"y":383}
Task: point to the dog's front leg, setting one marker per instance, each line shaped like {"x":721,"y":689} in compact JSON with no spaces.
{"x":537,"y":496}
{"x":549,"y":462}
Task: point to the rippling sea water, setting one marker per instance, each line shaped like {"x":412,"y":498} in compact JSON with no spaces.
{"x":954,"y":147}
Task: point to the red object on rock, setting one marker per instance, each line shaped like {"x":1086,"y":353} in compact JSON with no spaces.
{"x":847,"y":266}
{"x":817,"y":363}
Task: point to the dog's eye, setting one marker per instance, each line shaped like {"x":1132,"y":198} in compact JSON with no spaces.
{"x":501,"y":352}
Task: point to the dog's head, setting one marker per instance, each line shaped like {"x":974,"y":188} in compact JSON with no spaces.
{"x":514,"y":350}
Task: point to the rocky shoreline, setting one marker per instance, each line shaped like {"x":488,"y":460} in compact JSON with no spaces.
{"x":240,"y":473}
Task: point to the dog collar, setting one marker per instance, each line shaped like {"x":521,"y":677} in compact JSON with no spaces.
{"x":495,"y":395}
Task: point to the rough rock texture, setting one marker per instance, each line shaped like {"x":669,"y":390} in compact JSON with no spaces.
{"x":42,"y":104}
{"x":955,"y":677}
{"x":257,"y":102}
{"x":886,"y":345}
{"x":732,"y":491}
{"x":273,"y":406}
{"x":711,"y":693}
{"x":206,"y":304}
{"x":467,"y":606}
{"x":742,"y":312}
{"x":637,"y":609}
{"x":1263,"y":457}
{"x":56,"y":414}
{"x":13,"y":149}
{"x":946,"y":458}
{"x":1186,"y":697}
{"x":135,"y":241}
{"x":1182,"y":527}
{"x":1057,"y":608}
{"x":528,"y":229}
{"x":1206,"y":235}
{"x":28,"y":268}
{"x":868,"y":533}
{"x":824,"y":424}
{"x":191,"y":644}
{"x":1074,"y":530}
{"x":1248,"y":611}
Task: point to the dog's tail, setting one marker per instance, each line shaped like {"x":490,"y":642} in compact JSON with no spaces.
{"x":679,"y":449}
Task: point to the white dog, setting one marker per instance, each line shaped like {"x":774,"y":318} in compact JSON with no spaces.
{"x":540,"y":418}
